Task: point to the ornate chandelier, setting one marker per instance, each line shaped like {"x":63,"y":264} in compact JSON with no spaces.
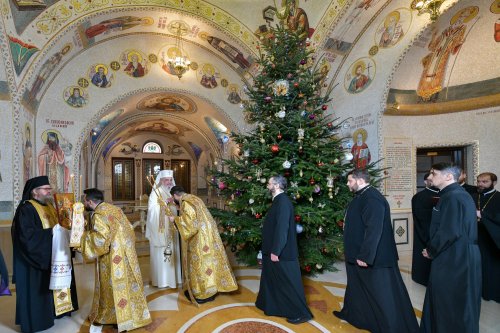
{"x":179,"y":62}
{"x":427,"y":6}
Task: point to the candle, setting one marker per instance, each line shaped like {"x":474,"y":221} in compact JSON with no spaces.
{"x":72,"y":183}
{"x":81,"y":189}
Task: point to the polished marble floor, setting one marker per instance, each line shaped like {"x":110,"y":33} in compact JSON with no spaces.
{"x":235,"y":312}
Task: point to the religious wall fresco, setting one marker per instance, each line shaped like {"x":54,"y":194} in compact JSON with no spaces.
{"x":27,"y":150}
{"x":53,"y":159}
{"x":158,"y":126}
{"x":443,"y":46}
{"x":46,"y":71}
{"x":495,"y":9}
{"x":361,"y":155}
{"x":103,"y":122}
{"x":393,"y":28}
{"x":233,"y":93}
{"x":208,"y":75}
{"x":76,"y":96}
{"x":100,"y":76}
{"x":21,"y":53}
{"x":220,"y":131}
{"x":447,"y":75}
{"x":295,"y":18}
{"x":359,"y":12}
{"x":359,"y":75}
{"x":197,"y":150}
{"x":135,"y":63}
{"x":230,"y":51}
{"x":109,"y":146}
{"x":119,"y":23}
{"x":167,"y":102}
{"x":29,"y":4}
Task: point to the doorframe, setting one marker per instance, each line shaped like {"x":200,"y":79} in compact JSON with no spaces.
{"x":471,"y":159}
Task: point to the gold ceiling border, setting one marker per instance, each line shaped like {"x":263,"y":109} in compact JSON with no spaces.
{"x":425,"y":109}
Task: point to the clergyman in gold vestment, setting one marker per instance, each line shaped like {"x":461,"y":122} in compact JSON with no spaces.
{"x":119,"y":294}
{"x":208,"y":268}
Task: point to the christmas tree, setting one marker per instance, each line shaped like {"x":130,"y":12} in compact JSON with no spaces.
{"x":293,"y":136}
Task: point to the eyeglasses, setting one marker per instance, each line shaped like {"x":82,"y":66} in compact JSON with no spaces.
{"x":45,"y":188}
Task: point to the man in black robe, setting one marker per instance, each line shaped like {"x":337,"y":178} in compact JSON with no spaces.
{"x":488,"y":229}
{"x":471,"y":189}
{"x":32,"y":258}
{"x":421,"y":207}
{"x":281,"y":292}
{"x":376,"y":298}
{"x":453,"y":297}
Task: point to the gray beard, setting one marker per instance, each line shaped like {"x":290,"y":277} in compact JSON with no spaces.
{"x":166,"y":189}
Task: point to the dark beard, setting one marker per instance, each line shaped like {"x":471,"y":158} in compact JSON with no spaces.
{"x":486,"y":190}
{"x":52,"y":145}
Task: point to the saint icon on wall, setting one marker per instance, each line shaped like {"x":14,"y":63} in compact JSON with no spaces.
{"x":52,"y":160}
{"x":136,"y":64}
{"x":442,"y":47}
{"x":233,"y":91}
{"x":27,"y":154}
{"x":99,"y":76}
{"x":392,"y":29}
{"x":76,"y":96}
{"x":208,"y":76}
{"x":359,"y":75}
{"x":360,"y":152}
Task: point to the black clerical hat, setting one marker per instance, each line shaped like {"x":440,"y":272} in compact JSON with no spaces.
{"x":32,"y":184}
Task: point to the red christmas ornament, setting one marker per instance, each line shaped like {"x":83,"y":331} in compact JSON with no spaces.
{"x":324,"y":107}
{"x":320,"y":164}
{"x":312,"y":181}
{"x":296,"y":84}
{"x":275,"y":148}
{"x":279,"y":136}
{"x":340,"y":223}
{"x":298,"y":218}
{"x":255,"y":161}
{"x":307,"y":268}
{"x":257,"y":47}
{"x":273,"y":65}
{"x":258,"y":215}
{"x":330,"y":125}
{"x":287,"y":173}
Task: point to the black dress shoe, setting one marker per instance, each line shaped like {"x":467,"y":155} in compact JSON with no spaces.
{"x":299,"y":320}
{"x":200,"y":300}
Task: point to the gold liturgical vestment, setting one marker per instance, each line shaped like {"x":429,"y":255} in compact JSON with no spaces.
{"x":119,"y":295}
{"x":62,"y":297}
{"x":208,"y":267}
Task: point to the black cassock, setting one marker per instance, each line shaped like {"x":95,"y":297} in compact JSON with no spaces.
{"x":281,"y":292}
{"x":421,"y":207}
{"x":453,"y":297}
{"x":376,"y":298}
{"x":489,"y":243}
{"x":471,"y":189}
{"x":32,"y":247}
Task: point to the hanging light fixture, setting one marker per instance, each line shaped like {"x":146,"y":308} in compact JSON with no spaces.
{"x":179,"y":62}
{"x":427,"y":6}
